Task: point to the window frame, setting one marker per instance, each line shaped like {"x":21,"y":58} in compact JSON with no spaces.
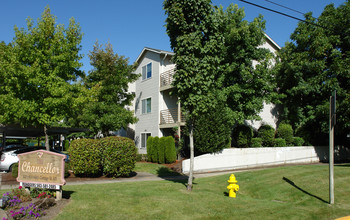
{"x":143,"y":144}
{"x":144,"y":107}
{"x":145,"y":71}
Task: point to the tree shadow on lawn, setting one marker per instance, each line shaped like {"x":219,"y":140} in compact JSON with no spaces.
{"x":297,"y":187}
{"x":66,"y":194}
{"x":170,"y":175}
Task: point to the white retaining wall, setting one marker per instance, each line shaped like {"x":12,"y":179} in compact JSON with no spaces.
{"x":237,"y":158}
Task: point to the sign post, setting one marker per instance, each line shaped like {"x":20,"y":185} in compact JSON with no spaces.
{"x":332,"y":110}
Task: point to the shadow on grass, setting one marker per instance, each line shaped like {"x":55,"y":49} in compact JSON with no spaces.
{"x":307,"y":193}
{"x":66,"y":194}
{"x":170,"y":175}
{"x":343,"y":165}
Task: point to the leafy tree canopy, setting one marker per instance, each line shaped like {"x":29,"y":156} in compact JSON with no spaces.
{"x":107,"y":86}
{"x":314,"y":64}
{"x":37,"y":70}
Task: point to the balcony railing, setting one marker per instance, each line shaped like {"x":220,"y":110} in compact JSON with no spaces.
{"x":166,"y":78}
{"x":170,"y":116}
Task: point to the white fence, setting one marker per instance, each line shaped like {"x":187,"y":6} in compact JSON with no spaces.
{"x":238,"y":158}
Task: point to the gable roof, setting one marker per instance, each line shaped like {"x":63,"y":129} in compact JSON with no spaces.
{"x":146,"y":49}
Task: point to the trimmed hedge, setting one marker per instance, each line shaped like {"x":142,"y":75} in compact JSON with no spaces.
{"x":257,"y":142}
{"x":267,"y":134}
{"x":155,"y":147}
{"x":161,"y":150}
{"x":119,"y":156}
{"x":14,"y":170}
{"x":149,"y":148}
{"x":86,"y":157}
{"x":113,"y":156}
{"x":280,"y":142}
{"x":243,"y":135}
{"x":170,"y":150}
{"x":285,"y":131}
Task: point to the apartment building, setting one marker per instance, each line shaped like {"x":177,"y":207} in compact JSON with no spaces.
{"x":157,"y":110}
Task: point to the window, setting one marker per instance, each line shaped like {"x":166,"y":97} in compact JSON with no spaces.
{"x":146,"y":106}
{"x":147,"y":71}
{"x":144,"y":137}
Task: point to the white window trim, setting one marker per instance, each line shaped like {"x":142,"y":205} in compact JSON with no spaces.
{"x":145,"y":140}
{"x":146,"y":78}
{"x":146,"y":106}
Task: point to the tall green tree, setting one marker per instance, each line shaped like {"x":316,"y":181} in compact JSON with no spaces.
{"x":37,"y":71}
{"x":314,"y":64}
{"x":214,"y":53}
{"x":107,"y":84}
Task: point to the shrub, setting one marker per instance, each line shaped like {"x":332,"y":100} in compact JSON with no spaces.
{"x":14,"y":170}
{"x":149,"y":148}
{"x":119,"y":156}
{"x":280,"y":142}
{"x":256,"y":142}
{"x":212,"y":130}
{"x":267,"y":134}
{"x":66,"y":170}
{"x":85,"y":157}
{"x":170,"y":151}
{"x":298,"y":141}
{"x":161,"y":150}
{"x":154,"y":149}
{"x":243,"y":135}
{"x":141,"y":157}
{"x":66,"y":145}
{"x":285,"y":131}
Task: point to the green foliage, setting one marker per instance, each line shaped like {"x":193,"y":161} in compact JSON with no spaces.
{"x":37,"y":73}
{"x":149,"y":148}
{"x":161,"y":150}
{"x":119,"y":156}
{"x":243,"y":134}
{"x":212,"y":130}
{"x":310,"y":67}
{"x":107,"y":86}
{"x":298,"y":141}
{"x":86,"y":157}
{"x":280,"y":142}
{"x":155,"y":147}
{"x":257,"y":142}
{"x":141,"y":157}
{"x":267,"y":134}
{"x":285,"y":131}
{"x":170,"y":151}
{"x":66,"y":145}
{"x":14,"y":170}
{"x":66,"y":169}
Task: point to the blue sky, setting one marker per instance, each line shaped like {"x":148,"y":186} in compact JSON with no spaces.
{"x":133,"y":24}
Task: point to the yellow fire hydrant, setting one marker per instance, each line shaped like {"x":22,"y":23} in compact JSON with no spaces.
{"x":232,"y":187}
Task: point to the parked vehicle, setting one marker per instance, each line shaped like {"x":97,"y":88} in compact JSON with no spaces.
{"x":9,"y":157}
{"x":12,"y":147}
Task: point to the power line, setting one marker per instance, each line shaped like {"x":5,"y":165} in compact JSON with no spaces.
{"x":285,"y":7}
{"x":281,"y":13}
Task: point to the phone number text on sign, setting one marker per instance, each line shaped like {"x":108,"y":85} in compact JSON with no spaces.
{"x":40,"y":185}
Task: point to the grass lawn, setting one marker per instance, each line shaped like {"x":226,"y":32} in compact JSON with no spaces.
{"x":290,"y":192}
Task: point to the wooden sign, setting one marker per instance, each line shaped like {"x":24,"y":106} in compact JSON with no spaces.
{"x":41,"y":167}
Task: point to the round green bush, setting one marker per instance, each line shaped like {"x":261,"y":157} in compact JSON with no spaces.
{"x":149,"y":148}
{"x":285,"y":131}
{"x":119,"y":156}
{"x":170,"y":150}
{"x":298,"y":141}
{"x":256,"y":142}
{"x":267,"y":134}
{"x":243,"y":134}
{"x":280,"y":142}
{"x":85,"y":157}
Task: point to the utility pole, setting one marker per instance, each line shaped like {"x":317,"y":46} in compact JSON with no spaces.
{"x":332,"y":115}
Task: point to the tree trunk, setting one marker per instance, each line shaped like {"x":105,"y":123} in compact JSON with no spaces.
{"x":190,"y":178}
{"x":46,"y":139}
